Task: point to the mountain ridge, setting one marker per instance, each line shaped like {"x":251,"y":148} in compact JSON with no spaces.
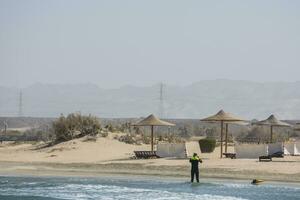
{"x":249,"y":99}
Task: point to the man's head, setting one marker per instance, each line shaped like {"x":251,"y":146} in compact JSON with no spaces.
{"x":195,"y":154}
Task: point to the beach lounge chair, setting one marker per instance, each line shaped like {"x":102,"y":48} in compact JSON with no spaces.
{"x":278,"y":154}
{"x":145,"y":154}
{"x":265,"y":158}
{"x":230,"y":155}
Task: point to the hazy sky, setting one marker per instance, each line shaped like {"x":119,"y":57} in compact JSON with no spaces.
{"x":113,"y":43}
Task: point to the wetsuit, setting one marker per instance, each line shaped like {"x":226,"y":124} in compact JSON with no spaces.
{"x":195,"y":167}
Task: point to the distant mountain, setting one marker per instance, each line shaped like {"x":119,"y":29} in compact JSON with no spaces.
{"x":244,"y":98}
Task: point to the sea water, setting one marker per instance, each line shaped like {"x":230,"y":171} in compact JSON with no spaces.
{"x":106,"y":188}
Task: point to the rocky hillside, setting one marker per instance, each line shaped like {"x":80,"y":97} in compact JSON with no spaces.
{"x":244,"y":98}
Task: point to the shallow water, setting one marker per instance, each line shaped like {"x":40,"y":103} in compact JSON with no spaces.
{"x":106,"y":188}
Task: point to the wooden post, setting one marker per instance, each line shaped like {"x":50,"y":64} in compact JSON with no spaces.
{"x":222,"y":124}
{"x":5,"y":127}
{"x":271,"y":137}
{"x":152,"y":138}
{"x":226,"y":137}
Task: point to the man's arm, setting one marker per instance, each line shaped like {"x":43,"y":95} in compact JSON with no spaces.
{"x":200,"y":160}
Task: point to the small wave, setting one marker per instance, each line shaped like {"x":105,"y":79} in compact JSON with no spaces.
{"x":236,"y":185}
{"x":85,"y":192}
{"x":107,"y":189}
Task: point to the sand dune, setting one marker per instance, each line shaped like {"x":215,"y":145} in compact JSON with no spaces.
{"x":75,"y":151}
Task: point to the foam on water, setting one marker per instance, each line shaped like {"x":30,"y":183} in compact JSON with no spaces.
{"x":107,"y":189}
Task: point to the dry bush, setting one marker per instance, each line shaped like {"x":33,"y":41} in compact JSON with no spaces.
{"x":146,"y":139}
{"x":129,"y":139}
{"x":74,"y":126}
{"x":104,"y":133}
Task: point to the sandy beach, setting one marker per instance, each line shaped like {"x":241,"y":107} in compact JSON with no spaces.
{"x":109,"y":156}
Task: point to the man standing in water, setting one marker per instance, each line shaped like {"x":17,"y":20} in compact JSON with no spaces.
{"x":195,"y":167}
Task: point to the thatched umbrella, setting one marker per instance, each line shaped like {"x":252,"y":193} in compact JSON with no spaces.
{"x":227,"y":127}
{"x":222,"y":117}
{"x":152,"y":121}
{"x":272,"y":121}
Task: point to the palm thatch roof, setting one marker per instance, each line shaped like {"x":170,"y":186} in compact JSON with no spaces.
{"x":222,"y":116}
{"x":151,"y":120}
{"x":272,"y":121}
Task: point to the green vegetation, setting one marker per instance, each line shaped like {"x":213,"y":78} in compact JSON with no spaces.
{"x":261,"y":134}
{"x":207,"y":145}
{"x":75,"y":126}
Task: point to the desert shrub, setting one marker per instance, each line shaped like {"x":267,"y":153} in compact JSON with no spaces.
{"x":104,"y":134}
{"x":137,"y":130}
{"x":146,"y":139}
{"x":75,"y":125}
{"x":122,"y":127}
{"x":207,"y":145}
{"x":110,"y":128}
{"x":261,"y":134}
{"x":184,"y":132}
{"x":172,"y":138}
{"x":160,"y":138}
{"x":211,"y":132}
{"x":294,"y":134}
{"x":129,"y":139}
{"x":33,"y":134}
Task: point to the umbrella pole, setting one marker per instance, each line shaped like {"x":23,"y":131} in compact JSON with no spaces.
{"x":222,"y":124}
{"x":226,"y":137}
{"x":152,"y":138}
{"x":271,"y":137}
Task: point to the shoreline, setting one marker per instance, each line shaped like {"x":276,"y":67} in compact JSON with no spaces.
{"x":137,"y":170}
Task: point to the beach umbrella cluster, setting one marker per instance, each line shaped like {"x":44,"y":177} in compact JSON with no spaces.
{"x":228,"y":118}
{"x":222,"y":117}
